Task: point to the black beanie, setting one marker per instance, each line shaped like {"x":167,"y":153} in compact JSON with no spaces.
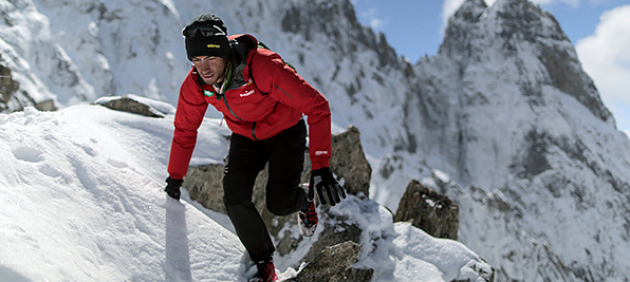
{"x":199,"y":43}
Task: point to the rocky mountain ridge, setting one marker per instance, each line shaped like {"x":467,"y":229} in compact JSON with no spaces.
{"x":530,"y":154}
{"x":527,"y":137}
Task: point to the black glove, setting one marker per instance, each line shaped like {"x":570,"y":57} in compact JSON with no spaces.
{"x":172,"y":187}
{"x":327,"y":187}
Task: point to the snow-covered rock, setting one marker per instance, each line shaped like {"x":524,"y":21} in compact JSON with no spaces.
{"x":535,"y":162}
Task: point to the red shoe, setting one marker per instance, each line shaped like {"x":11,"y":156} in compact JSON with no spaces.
{"x":307,"y":220}
{"x":266,"y":272}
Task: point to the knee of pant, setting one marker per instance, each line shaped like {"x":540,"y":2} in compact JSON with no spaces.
{"x":279,"y":208}
{"x":234,"y":195}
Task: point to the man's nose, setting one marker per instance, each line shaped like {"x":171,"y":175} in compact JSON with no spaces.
{"x":204,"y":67}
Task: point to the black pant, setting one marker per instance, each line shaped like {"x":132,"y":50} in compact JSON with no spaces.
{"x":246,"y":158}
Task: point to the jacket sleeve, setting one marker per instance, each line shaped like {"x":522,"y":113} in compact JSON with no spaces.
{"x":283,"y":84}
{"x":191,"y":108}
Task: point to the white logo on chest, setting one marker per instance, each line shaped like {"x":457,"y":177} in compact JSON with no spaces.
{"x":247,"y":93}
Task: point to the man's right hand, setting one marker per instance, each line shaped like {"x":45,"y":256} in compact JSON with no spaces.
{"x":329,"y":191}
{"x":172,"y":187}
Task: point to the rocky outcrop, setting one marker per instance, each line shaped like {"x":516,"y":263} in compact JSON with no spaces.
{"x":204,"y":185}
{"x":9,"y":101}
{"x":7,"y":84}
{"x":334,"y":230}
{"x":309,"y":18}
{"x":128,"y":104}
{"x":334,"y":264}
{"x":348,"y":162}
{"x":429,"y":210}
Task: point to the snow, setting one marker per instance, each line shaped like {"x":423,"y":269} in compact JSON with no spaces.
{"x":461,"y":133}
{"x":81,"y":200}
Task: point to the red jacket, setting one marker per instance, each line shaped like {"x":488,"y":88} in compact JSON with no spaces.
{"x":265,"y":97}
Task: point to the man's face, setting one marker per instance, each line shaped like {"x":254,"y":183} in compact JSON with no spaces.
{"x":211,"y":69}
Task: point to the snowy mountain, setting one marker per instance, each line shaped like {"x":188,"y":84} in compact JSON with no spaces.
{"x":535,"y":162}
{"x":81,"y":200}
{"x":507,"y":111}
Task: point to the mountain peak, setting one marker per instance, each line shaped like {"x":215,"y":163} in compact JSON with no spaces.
{"x":519,"y":30}
{"x":471,"y":10}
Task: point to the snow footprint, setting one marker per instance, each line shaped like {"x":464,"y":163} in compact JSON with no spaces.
{"x":32,"y":155}
{"x":28,"y":154}
{"x":116,"y":163}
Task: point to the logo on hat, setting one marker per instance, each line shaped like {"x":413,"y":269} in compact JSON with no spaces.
{"x":213,"y":46}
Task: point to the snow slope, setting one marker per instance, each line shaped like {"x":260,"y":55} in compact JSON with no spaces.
{"x":81,"y":200}
{"x":504,"y":109}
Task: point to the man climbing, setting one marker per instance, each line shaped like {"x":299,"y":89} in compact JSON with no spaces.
{"x":263,"y":101}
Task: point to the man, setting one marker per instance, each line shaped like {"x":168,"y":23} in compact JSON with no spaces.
{"x":262,"y":100}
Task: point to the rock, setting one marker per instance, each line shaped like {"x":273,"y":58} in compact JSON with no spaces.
{"x":429,"y":210}
{"x":9,"y":87}
{"x":7,"y":84}
{"x":334,"y":264}
{"x":334,"y":231}
{"x":204,"y":183}
{"x":349,"y":162}
{"x":46,"y":106}
{"x":127,"y":104}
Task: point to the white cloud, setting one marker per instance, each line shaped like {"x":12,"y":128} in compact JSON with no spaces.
{"x":371,"y":16}
{"x":371,"y":12}
{"x":377,"y":24}
{"x":605,"y":57}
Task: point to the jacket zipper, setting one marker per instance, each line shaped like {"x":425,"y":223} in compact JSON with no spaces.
{"x":221,"y":93}
{"x":254,"y":131}
{"x":227,"y":105}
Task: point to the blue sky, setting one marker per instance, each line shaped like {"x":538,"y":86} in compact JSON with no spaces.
{"x":415,"y":29}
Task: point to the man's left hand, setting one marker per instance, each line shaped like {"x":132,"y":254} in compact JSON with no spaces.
{"x":329,"y":191}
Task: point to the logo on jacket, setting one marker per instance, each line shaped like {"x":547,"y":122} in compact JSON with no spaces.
{"x":247,"y":93}
{"x":319,"y":153}
{"x":208,"y":93}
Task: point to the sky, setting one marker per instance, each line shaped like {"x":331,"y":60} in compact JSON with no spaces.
{"x":79,"y":205}
{"x":415,"y":28}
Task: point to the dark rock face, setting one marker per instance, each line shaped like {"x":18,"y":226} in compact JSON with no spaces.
{"x":8,"y":90}
{"x":334,"y":231}
{"x":7,"y":84}
{"x":429,"y":210}
{"x":310,"y":18}
{"x":130,"y":105}
{"x":349,"y":162}
{"x":204,"y":184}
{"x":351,"y":165}
{"x":334,"y":264}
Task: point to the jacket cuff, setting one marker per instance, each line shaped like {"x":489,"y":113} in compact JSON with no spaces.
{"x":176,"y":176}
{"x":320,"y":164}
